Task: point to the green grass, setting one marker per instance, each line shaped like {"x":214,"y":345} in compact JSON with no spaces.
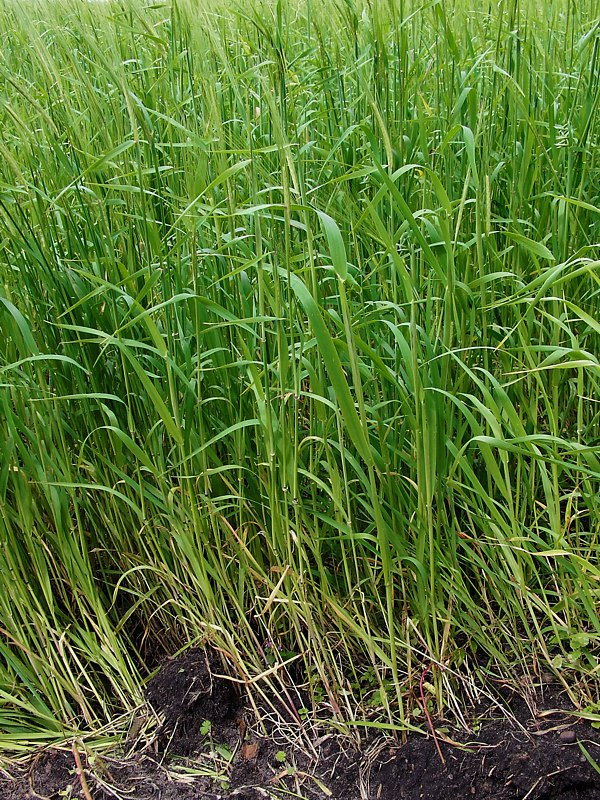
{"x":299,"y":343}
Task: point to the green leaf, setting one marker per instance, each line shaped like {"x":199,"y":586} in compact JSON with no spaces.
{"x":336,"y":245}
{"x":537,"y":248}
{"x":333,"y":366}
{"x":22,"y":325}
{"x":153,"y":394}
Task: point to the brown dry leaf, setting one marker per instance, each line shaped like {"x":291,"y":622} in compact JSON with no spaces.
{"x":249,"y":751}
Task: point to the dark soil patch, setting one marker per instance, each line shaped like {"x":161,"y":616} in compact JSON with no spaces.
{"x":193,"y":703}
{"x":206,"y":747}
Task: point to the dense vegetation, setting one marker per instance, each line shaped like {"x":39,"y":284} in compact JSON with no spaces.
{"x":299,"y":351}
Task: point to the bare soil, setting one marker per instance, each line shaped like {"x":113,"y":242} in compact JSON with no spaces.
{"x":208,"y":746}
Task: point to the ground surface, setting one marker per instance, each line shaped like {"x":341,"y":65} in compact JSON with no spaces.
{"x":207,"y":747}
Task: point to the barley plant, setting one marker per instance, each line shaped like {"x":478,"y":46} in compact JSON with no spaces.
{"x":299,"y":352}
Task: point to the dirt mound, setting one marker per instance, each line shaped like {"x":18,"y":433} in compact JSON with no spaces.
{"x":193,"y":703}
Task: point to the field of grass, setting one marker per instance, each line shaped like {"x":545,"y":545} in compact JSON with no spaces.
{"x":299,"y":352}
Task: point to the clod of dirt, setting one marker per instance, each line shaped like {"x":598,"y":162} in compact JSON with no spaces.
{"x":51,"y":773}
{"x":192,"y":701}
{"x":568,"y":737}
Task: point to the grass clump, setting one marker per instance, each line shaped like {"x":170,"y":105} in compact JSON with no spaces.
{"x":299,"y":311}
